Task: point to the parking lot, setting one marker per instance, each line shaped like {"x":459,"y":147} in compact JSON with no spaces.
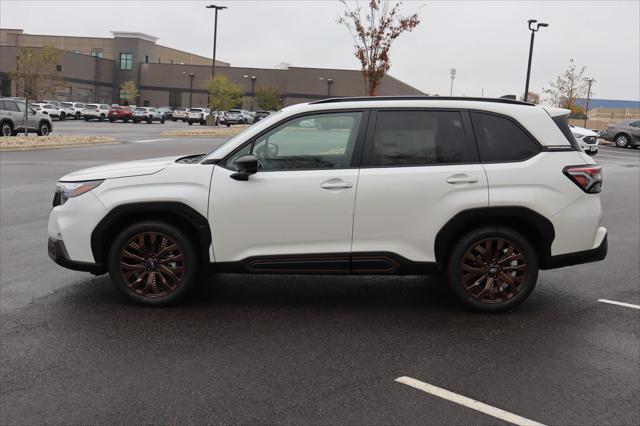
{"x":306,"y":349}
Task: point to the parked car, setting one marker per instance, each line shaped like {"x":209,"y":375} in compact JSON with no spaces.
{"x":198,"y":115}
{"x":587,"y":139}
{"x":16,"y":115}
{"x":95,"y":112}
{"x":73,"y":109}
{"x":238,"y":116}
{"x":167,"y":111}
{"x":180,"y":114}
{"x":260,"y":115}
{"x":148,"y":114}
{"x":120,"y":113}
{"x":625,"y":134}
{"x":49,"y":109}
{"x":489,"y":191}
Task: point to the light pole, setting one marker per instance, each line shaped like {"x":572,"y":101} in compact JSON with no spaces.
{"x":191,"y":75}
{"x":452,"y":73}
{"x":586,"y":112}
{"x":215,"y":35}
{"x":329,"y":81}
{"x":534,"y":29}
{"x":253,"y":88}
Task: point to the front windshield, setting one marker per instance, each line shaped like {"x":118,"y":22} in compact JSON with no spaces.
{"x":266,"y":122}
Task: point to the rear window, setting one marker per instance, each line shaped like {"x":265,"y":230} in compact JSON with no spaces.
{"x":562,"y":121}
{"x":9,"y":105}
{"x":141,"y":109}
{"x":195,"y":110}
{"x":501,"y":140}
{"x":117,"y":107}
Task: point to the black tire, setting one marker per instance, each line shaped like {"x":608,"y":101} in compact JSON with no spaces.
{"x":63,"y":116}
{"x":228,"y":124}
{"x":522,"y":271}
{"x":101,"y":117}
{"x":149,"y":120}
{"x":112,"y":120}
{"x":44,"y":129}
{"x":6,"y":129}
{"x":622,"y":140}
{"x":189,"y":264}
{"x":86,"y":119}
{"x":78,"y":116}
{"x":162,"y":120}
{"x":190,"y":123}
{"x":125,"y":120}
{"x":135,"y":121}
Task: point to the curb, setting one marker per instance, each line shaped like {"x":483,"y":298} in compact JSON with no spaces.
{"x":41,"y":147}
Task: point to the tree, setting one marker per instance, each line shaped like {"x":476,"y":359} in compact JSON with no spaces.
{"x":373,"y":35}
{"x":128,"y":92}
{"x":568,"y":87}
{"x":36,"y":73}
{"x":533,"y":97}
{"x":224,"y":93}
{"x":268,"y":98}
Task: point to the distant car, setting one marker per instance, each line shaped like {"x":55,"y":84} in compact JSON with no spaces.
{"x":15,"y":115}
{"x":260,"y":115}
{"x":120,"y":113}
{"x":198,"y":115}
{"x":49,"y":109}
{"x":167,"y":111}
{"x":180,"y":114}
{"x":95,"y":112}
{"x":625,"y":134}
{"x":74,"y":109}
{"x":238,"y":116}
{"x":148,"y":114}
{"x":587,"y":139}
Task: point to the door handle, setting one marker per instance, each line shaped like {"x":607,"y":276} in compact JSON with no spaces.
{"x":335,"y":184}
{"x":461,"y":179}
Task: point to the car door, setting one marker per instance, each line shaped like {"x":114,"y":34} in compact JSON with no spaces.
{"x":27,"y":120}
{"x":634,"y":129}
{"x":420,"y":168}
{"x":296,"y":212}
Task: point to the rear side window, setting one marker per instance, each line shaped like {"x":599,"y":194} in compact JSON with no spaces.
{"x":501,"y":140}
{"x":10,"y":105}
{"x":562,"y":121}
{"x":420,"y":138}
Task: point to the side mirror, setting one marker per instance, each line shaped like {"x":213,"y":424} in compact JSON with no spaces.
{"x":246,"y":165}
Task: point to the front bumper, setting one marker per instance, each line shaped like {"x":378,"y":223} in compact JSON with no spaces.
{"x":58,"y":253}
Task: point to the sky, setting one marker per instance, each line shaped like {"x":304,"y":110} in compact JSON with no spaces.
{"x":486,"y":41}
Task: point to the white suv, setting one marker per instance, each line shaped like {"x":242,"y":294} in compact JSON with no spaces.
{"x":488,"y":191}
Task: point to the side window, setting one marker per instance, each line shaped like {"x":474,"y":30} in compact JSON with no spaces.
{"x":501,"y":140}
{"x":21,"y":106}
{"x":635,"y":124}
{"x":419,"y":138}
{"x":323,"y":141}
{"x":10,"y":105}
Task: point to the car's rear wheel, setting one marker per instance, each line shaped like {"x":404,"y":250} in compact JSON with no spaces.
{"x":153,"y":263}
{"x":6,"y":129}
{"x":162,"y":120}
{"x":101,"y":117}
{"x":63,"y":116}
{"x":622,"y":141}
{"x":78,"y":116}
{"x":44,"y":129}
{"x":492,"y":269}
{"x":112,"y":120}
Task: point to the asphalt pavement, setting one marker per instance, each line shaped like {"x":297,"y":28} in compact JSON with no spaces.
{"x":306,"y":349}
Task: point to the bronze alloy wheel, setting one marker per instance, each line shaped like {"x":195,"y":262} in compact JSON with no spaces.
{"x":152,"y":264}
{"x":494,"y":270}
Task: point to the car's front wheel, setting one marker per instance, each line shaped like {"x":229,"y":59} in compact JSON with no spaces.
{"x":101,"y":117}
{"x":492,"y":269}
{"x":153,"y":263}
{"x":78,"y":116}
{"x":622,"y":141}
{"x":44,"y":128}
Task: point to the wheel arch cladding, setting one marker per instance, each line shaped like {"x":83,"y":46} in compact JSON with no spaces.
{"x":177,"y":214}
{"x":533,"y":226}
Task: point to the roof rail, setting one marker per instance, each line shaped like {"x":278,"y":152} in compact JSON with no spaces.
{"x":417,"y":98}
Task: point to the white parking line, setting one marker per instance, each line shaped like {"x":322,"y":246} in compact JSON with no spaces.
{"x":467,"y":402}
{"x":150,"y":140}
{"x":613,"y":302}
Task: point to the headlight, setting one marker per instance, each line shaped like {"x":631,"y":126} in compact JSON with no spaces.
{"x":577,"y":136}
{"x":66,"y":190}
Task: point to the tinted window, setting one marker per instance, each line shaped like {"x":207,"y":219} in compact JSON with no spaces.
{"x":414,"y":138}
{"x":10,"y":105}
{"x":562,"y":122}
{"x":323,"y":141}
{"x":91,"y":106}
{"x":21,"y":106}
{"x":635,"y":124}
{"x":500,"y":139}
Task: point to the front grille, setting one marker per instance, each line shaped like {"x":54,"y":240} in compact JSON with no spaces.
{"x":590,"y":139}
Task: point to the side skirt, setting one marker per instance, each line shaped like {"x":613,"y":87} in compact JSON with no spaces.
{"x":330,"y":263}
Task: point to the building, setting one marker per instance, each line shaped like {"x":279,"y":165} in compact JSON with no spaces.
{"x":93,"y":68}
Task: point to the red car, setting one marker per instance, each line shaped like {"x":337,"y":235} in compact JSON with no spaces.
{"x":120,"y":113}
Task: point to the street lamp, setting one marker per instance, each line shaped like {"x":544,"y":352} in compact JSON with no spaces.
{"x":215,"y":35}
{"x":452,"y":74}
{"x":534,"y":29}
{"x":253,"y":88}
{"x":191,"y":75}
{"x":329,"y":81}
{"x":586,"y":112}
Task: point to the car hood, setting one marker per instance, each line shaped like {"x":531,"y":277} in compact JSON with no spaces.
{"x":119,"y":170}
{"x":582,"y":131}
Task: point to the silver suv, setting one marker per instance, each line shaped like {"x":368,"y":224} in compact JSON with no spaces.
{"x":13,"y":119}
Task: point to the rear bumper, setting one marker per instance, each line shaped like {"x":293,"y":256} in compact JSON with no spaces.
{"x":58,"y":253}
{"x":577,"y":258}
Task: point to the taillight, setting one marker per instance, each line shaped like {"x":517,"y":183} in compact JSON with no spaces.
{"x":587,"y":177}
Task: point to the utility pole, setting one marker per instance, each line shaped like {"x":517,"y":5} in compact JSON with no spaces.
{"x":533,"y":34}
{"x":452,"y":74}
{"x":215,"y":37}
{"x":586,"y":112}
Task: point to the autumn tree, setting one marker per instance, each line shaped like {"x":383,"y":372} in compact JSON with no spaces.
{"x":35,"y":72}
{"x":373,"y":32}
{"x":268,"y":98}
{"x":532,"y":97}
{"x":568,"y":87}
{"x":224,"y":93}
{"x":128,"y":92}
